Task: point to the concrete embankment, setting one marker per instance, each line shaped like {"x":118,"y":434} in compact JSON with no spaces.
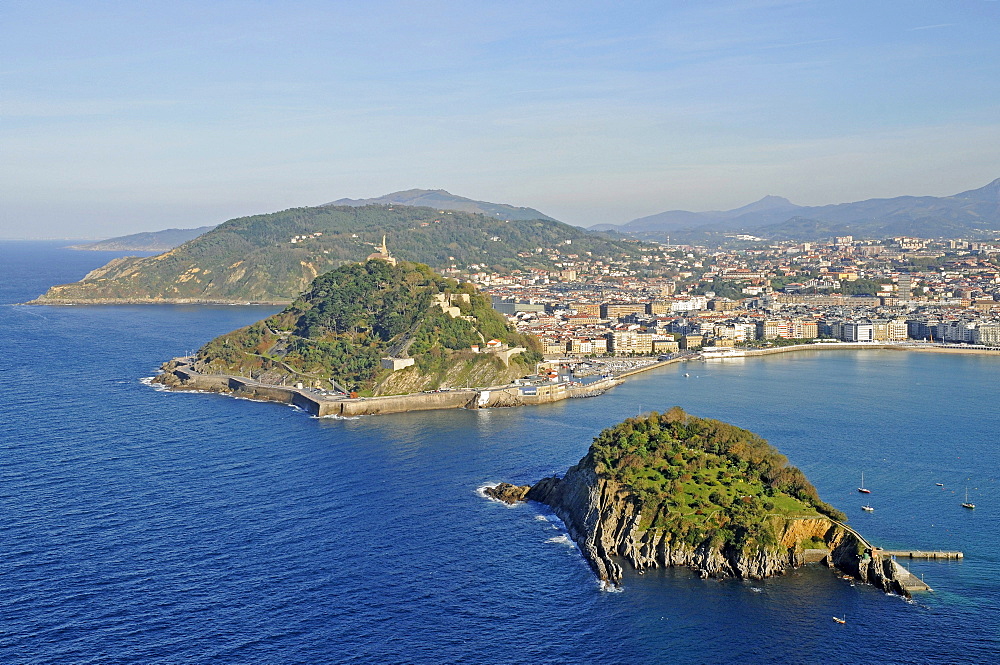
{"x":183,"y":377}
{"x":186,"y":378}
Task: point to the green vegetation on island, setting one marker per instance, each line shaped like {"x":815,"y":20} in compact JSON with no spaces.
{"x":349,"y":319}
{"x":703,"y":480}
{"x":274,"y":257}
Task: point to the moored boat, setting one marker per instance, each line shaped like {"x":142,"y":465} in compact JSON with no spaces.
{"x":967,"y":504}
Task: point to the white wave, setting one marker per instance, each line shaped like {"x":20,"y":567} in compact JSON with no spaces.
{"x":541,"y":518}
{"x":609,"y":587}
{"x":148,"y":382}
{"x":562,"y":540}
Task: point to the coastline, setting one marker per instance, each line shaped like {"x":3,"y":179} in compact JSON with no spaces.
{"x":177,"y":374}
{"x":56,"y":302}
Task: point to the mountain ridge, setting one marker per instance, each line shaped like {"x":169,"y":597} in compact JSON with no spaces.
{"x":445,"y":200}
{"x":970,"y":212}
{"x":146,"y":241}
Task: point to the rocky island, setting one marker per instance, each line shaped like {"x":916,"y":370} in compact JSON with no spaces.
{"x":676,"y":490}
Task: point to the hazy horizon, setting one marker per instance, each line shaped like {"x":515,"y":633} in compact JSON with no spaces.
{"x":105,"y":237}
{"x":123,"y":119}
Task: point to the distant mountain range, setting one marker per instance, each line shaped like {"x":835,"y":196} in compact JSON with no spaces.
{"x":968,"y":214}
{"x":150,"y":241}
{"x":442,"y":200}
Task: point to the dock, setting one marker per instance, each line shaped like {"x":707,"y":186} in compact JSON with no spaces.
{"x":907,"y":580}
{"x":920,"y":554}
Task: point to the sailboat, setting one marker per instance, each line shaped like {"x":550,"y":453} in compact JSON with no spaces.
{"x":867,"y":507}
{"x":863,"y":489}
{"x":839,"y":620}
{"x":967,"y":504}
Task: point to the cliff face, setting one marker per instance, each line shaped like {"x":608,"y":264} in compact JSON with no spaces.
{"x":604,"y":519}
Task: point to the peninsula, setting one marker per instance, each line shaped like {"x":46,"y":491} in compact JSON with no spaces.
{"x":676,"y":490}
{"x":369,"y":329}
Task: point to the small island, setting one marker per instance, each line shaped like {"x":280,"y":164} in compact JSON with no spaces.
{"x":672,"y":489}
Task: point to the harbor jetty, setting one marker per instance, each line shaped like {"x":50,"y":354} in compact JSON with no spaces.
{"x":908,"y":582}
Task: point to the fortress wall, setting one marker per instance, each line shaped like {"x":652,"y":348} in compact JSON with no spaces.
{"x":453,"y":399}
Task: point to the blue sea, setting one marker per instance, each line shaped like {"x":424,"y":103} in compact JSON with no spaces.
{"x":140,"y":526}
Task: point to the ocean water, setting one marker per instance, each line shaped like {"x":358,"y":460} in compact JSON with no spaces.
{"x":139,"y":526}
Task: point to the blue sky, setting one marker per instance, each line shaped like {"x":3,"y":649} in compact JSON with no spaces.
{"x":117,"y":117}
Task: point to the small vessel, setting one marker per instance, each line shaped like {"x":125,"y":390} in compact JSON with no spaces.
{"x":939,"y":484}
{"x":868,"y":508}
{"x":863,"y":489}
{"x":839,"y":620}
{"x":967,"y":504}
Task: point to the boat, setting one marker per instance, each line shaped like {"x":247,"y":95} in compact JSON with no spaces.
{"x":839,"y":620}
{"x":939,"y":484}
{"x":863,"y":489}
{"x":868,"y":508}
{"x":967,"y":504}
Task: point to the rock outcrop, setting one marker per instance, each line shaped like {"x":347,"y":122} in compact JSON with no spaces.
{"x":507,"y":493}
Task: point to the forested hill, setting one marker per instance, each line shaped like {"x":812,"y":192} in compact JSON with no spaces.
{"x":273,"y":257}
{"x":352,"y":317}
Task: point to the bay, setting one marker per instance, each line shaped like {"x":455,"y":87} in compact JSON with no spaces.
{"x":140,"y":526}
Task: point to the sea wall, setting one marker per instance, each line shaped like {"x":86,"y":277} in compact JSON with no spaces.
{"x":370,"y":406}
{"x":179,"y":376}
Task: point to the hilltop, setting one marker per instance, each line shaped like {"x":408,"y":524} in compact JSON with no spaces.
{"x":272,"y":258}
{"x":444,"y":200}
{"x":676,"y":490}
{"x":337,"y":333}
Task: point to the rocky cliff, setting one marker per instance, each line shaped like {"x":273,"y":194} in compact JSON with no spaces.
{"x":604,"y":519}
